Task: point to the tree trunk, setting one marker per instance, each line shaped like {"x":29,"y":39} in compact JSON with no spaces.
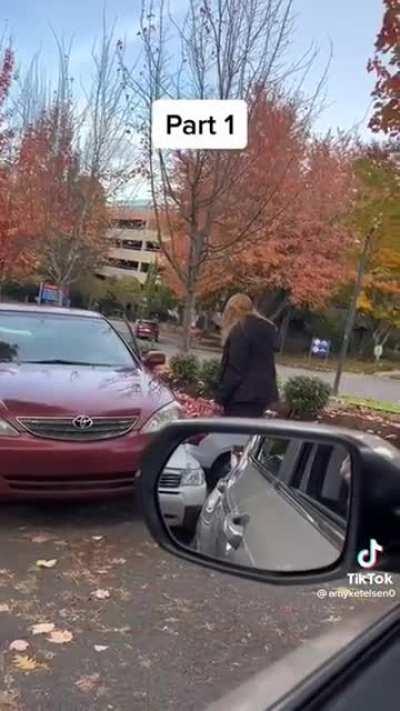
{"x":285,"y":329}
{"x":351,"y":314}
{"x":188,"y":313}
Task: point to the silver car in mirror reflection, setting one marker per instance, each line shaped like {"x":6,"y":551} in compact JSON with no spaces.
{"x":283,"y":507}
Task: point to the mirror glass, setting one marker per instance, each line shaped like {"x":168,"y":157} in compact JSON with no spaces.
{"x":264,"y":502}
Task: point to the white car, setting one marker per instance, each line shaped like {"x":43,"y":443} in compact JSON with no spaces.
{"x":182,"y":489}
{"x":214,"y":451}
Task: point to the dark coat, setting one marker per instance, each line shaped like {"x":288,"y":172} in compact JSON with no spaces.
{"x":248,"y":372}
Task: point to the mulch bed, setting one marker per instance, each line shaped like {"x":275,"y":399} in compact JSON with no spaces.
{"x":355,"y":417}
{"x":360,"y":418}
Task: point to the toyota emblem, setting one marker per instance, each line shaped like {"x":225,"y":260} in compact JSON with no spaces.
{"x":82,"y":422}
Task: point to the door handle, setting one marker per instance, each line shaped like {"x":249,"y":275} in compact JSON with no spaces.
{"x":234,"y":525}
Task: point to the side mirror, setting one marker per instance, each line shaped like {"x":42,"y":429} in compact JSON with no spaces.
{"x":276,"y":501}
{"x":152,"y":359}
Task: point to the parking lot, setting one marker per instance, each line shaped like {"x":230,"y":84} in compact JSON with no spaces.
{"x":160,"y":634}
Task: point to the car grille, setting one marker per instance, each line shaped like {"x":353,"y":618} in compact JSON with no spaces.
{"x":86,"y":483}
{"x":170,"y":480}
{"x":64,"y":428}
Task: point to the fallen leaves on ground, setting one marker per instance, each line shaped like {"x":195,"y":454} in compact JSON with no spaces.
{"x":46,"y":563}
{"x":60,"y":636}
{"x":9,"y":701}
{"x":100,"y":647}
{"x":43,"y":628}
{"x":101,"y":594}
{"x":4,"y":607}
{"x":19,"y":645}
{"x":332,"y":619}
{"x":88,"y":683}
{"x":41,"y":538}
{"x":28,"y":664}
{"x":145,"y":663}
{"x":97,"y":538}
{"x":196,"y":407}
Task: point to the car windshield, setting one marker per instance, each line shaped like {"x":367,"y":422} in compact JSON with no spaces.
{"x":57,"y":339}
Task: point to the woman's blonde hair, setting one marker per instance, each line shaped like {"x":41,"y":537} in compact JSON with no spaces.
{"x":238,"y":306}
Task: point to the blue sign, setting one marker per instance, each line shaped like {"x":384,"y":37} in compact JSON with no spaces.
{"x":320,"y":347}
{"x":50,"y":293}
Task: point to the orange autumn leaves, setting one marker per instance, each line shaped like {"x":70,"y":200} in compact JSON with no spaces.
{"x":386,"y":65}
{"x":282,"y":223}
{"x":50,"y":214}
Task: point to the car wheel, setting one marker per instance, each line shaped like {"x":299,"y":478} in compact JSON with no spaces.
{"x":220,"y":468}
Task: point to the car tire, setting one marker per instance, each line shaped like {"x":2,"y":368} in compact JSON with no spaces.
{"x":220,"y":468}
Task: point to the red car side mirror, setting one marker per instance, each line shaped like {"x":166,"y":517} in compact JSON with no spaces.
{"x":152,"y":359}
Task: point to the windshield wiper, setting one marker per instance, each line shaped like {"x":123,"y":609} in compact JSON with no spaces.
{"x":60,"y":361}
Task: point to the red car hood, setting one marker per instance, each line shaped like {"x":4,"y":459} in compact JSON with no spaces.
{"x":29,"y":390}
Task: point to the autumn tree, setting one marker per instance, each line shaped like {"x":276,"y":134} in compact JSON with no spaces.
{"x":374,"y":220}
{"x":380,"y":298}
{"x":16,"y":256}
{"x":379,"y":215}
{"x":386,"y":65}
{"x":298,"y":245}
{"x":64,"y":209}
{"x":230,"y":50}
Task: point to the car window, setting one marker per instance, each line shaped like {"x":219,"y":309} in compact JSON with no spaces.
{"x":271,"y":453}
{"x":128,"y":337}
{"x":325,"y":479}
{"x":38,"y":337}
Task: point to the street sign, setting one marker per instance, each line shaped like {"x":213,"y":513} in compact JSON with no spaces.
{"x":320,"y":347}
{"x":51,"y":294}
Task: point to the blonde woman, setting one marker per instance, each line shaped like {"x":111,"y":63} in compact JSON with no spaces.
{"x":248,"y":376}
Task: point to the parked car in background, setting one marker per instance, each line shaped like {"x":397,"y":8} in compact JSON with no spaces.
{"x":148,"y":330}
{"x":182,"y":490}
{"x":77,"y":406}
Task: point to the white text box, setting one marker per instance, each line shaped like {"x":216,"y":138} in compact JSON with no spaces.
{"x":199,"y":124}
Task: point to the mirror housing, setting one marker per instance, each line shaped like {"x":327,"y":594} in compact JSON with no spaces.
{"x":152,"y":359}
{"x":374,"y":508}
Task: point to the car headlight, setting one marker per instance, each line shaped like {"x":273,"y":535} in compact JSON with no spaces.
{"x":193,"y":476}
{"x":7,"y":430}
{"x":166,"y":414}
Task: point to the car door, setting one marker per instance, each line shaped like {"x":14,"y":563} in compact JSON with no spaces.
{"x":265,"y":525}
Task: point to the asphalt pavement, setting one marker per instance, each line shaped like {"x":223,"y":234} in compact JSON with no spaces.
{"x":135,"y":629}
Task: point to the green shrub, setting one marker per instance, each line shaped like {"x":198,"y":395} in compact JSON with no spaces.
{"x":185,"y":372}
{"x":306,"y":397}
{"x":209,"y":376}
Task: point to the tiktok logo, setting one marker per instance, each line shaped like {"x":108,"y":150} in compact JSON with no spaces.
{"x":368,"y":557}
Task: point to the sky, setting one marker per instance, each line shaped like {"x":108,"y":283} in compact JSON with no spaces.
{"x":350,"y":25}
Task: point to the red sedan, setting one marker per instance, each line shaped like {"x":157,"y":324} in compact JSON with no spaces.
{"x":77,"y":406}
{"x":148,"y":330}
